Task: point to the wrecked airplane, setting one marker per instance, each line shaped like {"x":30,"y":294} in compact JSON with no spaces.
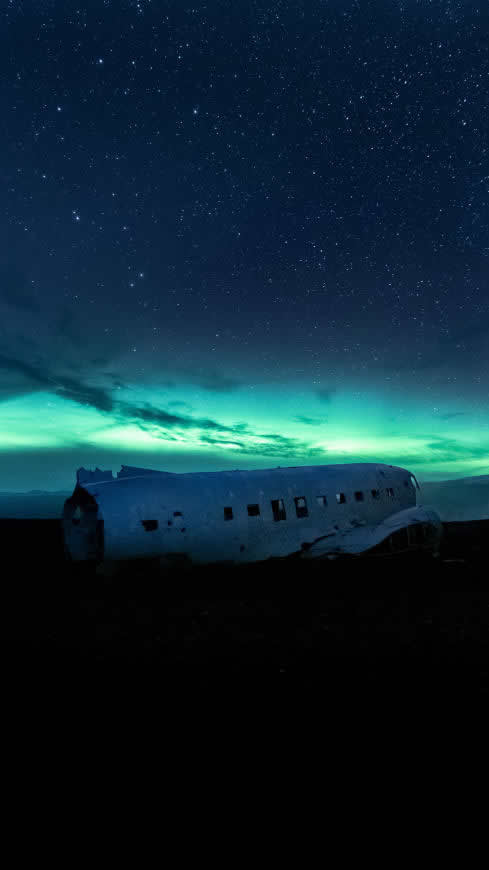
{"x":309,"y":512}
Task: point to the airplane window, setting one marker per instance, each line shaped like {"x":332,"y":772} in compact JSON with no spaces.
{"x":340,"y":497}
{"x":253,"y":510}
{"x":228,"y":513}
{"x":375,"y":493}
{"x":322,"y":500}
{"x":150,"y":525}
{"x":359,"y":496}
{"x":177,"y":513}
{"x":278,"y":509}
{"x":406,"y":483}
{"x":414,"y":482}
{"x":301,"y":506}
{"x":390,"y":492}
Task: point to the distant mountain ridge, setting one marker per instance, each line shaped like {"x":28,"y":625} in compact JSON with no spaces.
{"x":48,"y":492}
{"x":477,"y":479}
{"x":457,"y":500}
{"x":33,"y":505}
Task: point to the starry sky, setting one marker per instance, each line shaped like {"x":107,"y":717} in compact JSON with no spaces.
{"x":243,"y":234}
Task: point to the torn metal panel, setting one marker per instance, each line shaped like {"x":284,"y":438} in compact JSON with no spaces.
{"x":84,"y":476}
{"x":133,"y":471}
{"x":355,"y":541}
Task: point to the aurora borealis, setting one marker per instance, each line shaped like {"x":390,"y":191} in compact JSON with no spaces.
{"x":242,"y":235}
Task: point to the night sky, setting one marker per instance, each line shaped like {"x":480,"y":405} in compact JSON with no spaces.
{"x":242,"y":234}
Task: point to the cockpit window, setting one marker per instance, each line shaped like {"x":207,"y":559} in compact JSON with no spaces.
{"x":414,"y":482}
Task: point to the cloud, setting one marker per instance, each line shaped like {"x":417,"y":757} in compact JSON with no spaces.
{"x":164,"y":424}
{"x":451,"y":416}
{"x":31,"y":373}
{"x":66,"y":326}
{"x":214,"y":381}
{"x":158,"y":421}
{"x":326,"y":395}
{"x":449,"y":449}
{"x":309,"y":421}
{"x":34,"y":378}
{"x":148,"y":414}
{"x":176,"y":403}
{"x":18,"y":377}
{"x":13,"y":294}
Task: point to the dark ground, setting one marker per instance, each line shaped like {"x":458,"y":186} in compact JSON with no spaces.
{"x":408,"y":629}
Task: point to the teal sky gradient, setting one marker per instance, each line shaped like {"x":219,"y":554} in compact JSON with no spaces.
{"x":45,"y":437}
{"x":243,"y":235}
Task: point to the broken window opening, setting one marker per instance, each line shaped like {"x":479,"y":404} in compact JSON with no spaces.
{"x":278,"y":509}
{"x":228,"y":513}
{"x":322,"y":500}
{"x":150,"y":525}
{"x":253,"y":510}
{"x":301,"y":506}
{"x":341,"y":498}
{"x":359,"y":496}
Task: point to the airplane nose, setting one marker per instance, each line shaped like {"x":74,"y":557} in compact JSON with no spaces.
{"x":82,"y":528}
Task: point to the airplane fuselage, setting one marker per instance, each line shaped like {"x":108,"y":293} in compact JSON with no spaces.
{"x":229,"y":516}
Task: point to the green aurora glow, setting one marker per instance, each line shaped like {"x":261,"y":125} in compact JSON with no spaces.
{"x":250,"y":428}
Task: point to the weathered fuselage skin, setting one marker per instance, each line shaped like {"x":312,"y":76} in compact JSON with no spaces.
{"x":144,"y":514}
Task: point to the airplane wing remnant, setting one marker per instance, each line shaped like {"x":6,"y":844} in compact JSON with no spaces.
{"x":405,"y":529}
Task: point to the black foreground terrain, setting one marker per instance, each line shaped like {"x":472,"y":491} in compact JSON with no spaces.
{"x":405,"y":627}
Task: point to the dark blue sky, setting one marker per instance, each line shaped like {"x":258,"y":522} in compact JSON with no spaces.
{"x":244,"y":233}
